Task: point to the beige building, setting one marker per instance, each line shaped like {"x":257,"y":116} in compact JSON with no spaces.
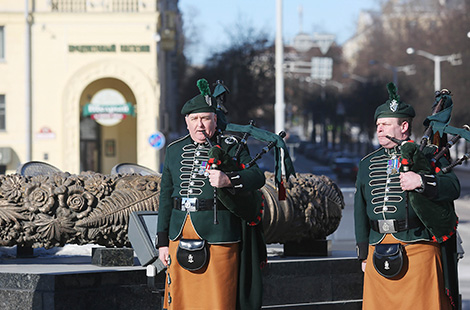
{"x":396,"y":14}
{"x":81,"y":82}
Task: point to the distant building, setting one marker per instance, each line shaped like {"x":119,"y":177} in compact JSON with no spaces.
{"x":97,"y":78}
{"x":353,"y":46}
{"x":407,"y":13}
{"x":312,"y":57}
{"x":313,"y":64}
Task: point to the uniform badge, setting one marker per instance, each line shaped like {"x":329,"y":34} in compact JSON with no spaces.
{"x":203,"y":168}
{"x":230,"y":140}
{"x":190,"y":258}
{"x":386,"y":265}
{"x":393,"y":166}
{"x":393,"y":105}
{"x":208,"y":100}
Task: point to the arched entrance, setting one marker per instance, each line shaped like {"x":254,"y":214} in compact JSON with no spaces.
{"x":107,"y":137}
{"x":135,"y":84}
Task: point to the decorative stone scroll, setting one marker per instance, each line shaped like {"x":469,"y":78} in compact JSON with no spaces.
{"x":312,"y":209}
{"x":91,"y":208}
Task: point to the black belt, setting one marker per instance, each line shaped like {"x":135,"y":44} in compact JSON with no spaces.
{"x":400,"y":225}
{"x":201,"y":204}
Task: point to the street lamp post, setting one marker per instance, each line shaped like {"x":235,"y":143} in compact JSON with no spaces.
{"x":408,"y":69}
{"x":454,"y":59}
{"x":355,"y":77}
{"x":280,"y":106}
{"x":28,"y":86}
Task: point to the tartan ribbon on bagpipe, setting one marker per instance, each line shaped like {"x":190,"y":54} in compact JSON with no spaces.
{"x":440,"y":121}
{"x":283,"y":162}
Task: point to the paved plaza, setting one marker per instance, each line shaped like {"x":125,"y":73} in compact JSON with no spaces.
{"x":76,"y":259}
{"x":343,"y":238}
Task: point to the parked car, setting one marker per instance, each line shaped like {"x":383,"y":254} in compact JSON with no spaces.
{"x":309,"y":151}
{"x":345,"y":167}
{"x":302,"y":146}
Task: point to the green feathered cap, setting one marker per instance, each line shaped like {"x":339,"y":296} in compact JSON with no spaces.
{"x":203,"y":102}
{"x":394,"y":107}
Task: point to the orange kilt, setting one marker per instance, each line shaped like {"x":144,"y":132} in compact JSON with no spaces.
{"x":420,"y":284}
{"x":212,"y":287}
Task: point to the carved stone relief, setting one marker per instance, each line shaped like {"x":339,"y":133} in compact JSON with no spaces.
{"x":92,"y":208}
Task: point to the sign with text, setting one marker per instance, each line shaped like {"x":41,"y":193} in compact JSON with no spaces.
{"x":111,"y":48}
{"x":108,"y":107}
{"x":322,"y":68}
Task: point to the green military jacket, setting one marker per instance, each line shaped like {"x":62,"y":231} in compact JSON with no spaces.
{"x":379,"y":197}
{"x":183,"y":176}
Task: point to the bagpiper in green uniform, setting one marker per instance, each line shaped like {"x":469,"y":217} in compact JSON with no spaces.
{"x":414,"y":209}
{"x":186,"y":208}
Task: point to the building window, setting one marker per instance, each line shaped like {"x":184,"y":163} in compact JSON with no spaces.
{"x":2,"y":42}
{"x":125,"y":6}
{"x":75,"y":6}
{"x":2,"y":113}
{"x":80,"y":6}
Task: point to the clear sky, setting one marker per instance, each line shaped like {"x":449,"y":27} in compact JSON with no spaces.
{"x":209,"y":20}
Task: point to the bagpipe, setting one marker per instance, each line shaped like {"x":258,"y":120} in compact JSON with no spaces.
{"x":437,"y":127}
{"x":219,"y":159}
{"x":438,"y":217}
{"x":426,"y":159}
{"x":247,"y":205}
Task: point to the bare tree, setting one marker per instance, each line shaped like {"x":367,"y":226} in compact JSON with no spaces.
{"x":428,"y":26}
{"x":246,"y":66}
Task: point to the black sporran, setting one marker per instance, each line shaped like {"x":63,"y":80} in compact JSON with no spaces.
{"x":192,"y":254}
{"x":388,"y":259}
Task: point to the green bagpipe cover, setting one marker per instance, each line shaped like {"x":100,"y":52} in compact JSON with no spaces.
{"x":253,"y":255}
{"x":438,"y":216}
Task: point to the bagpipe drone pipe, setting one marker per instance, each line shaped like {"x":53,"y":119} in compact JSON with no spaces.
{"x":437,"y":127}
{"x":246,"y":204}
{"x":431,"y":158}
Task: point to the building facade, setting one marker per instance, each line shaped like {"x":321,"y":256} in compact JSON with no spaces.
{"x":82,"y":81}
{"x":397,"y":14}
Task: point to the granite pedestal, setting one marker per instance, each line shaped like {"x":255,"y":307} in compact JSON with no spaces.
{"x":112,"y":257}
{"x":73,"y":283}
{"x":308,"y":247}
{"x":327,"y":283}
